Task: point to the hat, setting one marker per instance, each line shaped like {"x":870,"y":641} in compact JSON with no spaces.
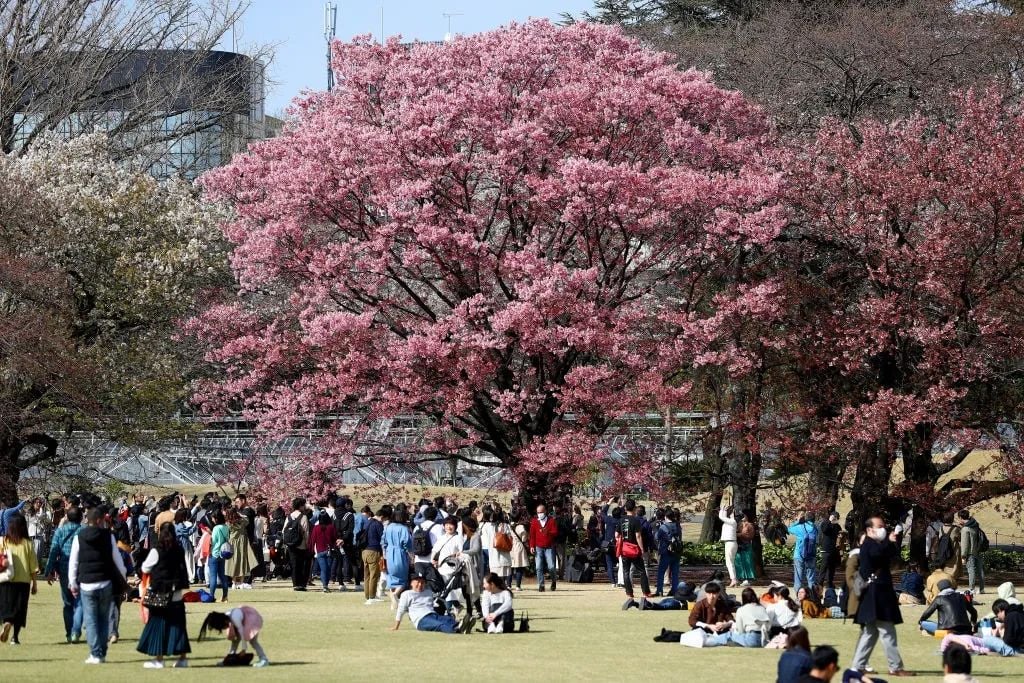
{"x":944,"y":585}
{"x":777,"y":584}
{"x":418,"y":576}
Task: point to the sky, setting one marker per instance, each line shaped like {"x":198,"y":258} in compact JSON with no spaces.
{"x":296,"y":30}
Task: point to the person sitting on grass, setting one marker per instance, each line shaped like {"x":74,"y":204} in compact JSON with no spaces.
{"x":956,"y":665}
{"x":955,"y":613}
{"x":712,"y":611}
{"x":418,"y":602}
{"x":785,"y":613}
{"x":496,"y":605}
{"x":911,"y":590}
{"x":243,"y":625}
{"x":931,"y":584}
{"x":795,"y":661}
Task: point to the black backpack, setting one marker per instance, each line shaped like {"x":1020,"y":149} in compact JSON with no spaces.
{"x":421,"y":543}
{"x":362,"y":539}
{"x":944,"y":550}
{"x":983,"y":544}
{"x":291,"y":535}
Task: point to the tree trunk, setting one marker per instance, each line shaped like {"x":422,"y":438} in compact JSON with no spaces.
{"x":543,"y":489}
{"x":711,"y":529}
{"x":871,"y":488}
{"x":744,"y":472}
{"x":10,"y":449}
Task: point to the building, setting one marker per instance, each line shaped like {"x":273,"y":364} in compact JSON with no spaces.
{"x":172,"y":112}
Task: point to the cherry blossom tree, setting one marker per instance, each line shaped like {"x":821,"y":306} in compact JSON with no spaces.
{"x":522,"y":235}
{"x":910,"y":255}
{"x":98,"y":265}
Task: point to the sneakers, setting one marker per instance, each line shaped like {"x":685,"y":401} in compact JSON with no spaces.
{"x":554,"y":584}
{"x":153,"y":664}
{"x":325,"y":590}
{"x":643,"y":604}
{"x":902,"y":672}
{"x":260,"y":663}
{"x":745,"y":584}
{"x":94,"y":660}
{"x":630,"y":602}
{"x":181,"y":664}
{"x":467,"y":623}
{"x":541,"y":588}
{"x":113,"y":639}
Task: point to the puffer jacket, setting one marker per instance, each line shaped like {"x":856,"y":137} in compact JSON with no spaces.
{"x":955,"y":614}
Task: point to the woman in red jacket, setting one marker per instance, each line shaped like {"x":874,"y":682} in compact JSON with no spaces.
{"x":322,"y":540}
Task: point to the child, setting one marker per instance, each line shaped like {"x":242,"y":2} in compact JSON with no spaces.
{"x":243,"y":625}
{"x":496,"y":605}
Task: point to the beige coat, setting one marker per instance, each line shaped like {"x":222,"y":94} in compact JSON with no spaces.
{"x":520,"y":554}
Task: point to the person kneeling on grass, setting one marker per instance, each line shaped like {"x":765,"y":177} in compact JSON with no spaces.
{"x":496,"y":605}
{"x":243,"y":625}
{"x":955,"y":614}
{"x":418,"y":601}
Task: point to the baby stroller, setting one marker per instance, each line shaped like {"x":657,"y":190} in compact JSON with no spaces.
{"x":580,"y":568}
{"x":453,"y":596}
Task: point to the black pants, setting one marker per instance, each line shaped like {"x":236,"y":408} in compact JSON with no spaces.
{"x":627,"y":574}
{"x":354,"y":563}
{"x":828,"y":574}
{"x":299,"y":560}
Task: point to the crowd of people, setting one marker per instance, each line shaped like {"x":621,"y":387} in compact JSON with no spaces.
{"x":448,"y":567}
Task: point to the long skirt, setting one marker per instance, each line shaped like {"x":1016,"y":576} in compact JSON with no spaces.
{"x":165,"y":634}
{"x":14,"y":603}
{"x":745,"y":562}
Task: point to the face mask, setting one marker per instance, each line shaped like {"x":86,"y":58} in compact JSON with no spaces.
{"x":880,"y":534}
{"x":542,"y":517}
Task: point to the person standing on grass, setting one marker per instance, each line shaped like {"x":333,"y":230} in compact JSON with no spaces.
{"x":878,"y":613}
{"x":14,"y":593}
{"x":630,"y":542}
{"x":95,"y":571}
{"x":804,"y":551}
{"x":745,"y":533}
{"x":322,"y":540}
{"x":828,"y":535}
{"x":669,"y":537}
{"x":520,"y":542}
{"x":243,"y":560}
{"x":215,"y":564}
{"x":296,"y":528}
{"x":543,"y":536}
{"x":371,"y":556}
{"x":166,"y":632}
{"x":971,"y":551}
{"x":397,"y":541}
{"x":725,"y":515}
{"x":58,"y":565}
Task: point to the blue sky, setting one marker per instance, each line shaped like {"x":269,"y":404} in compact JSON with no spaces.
{"x":296,"y":28}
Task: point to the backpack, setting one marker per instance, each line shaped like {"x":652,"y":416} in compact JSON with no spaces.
{"x":421,"y":543}
{"x":809,"y":552}
{"x":291,"y":535}
{"x":675,"y":545}
{"x":362,"y":539}
{"x":983,"y":544}
{"x":944,"y":551}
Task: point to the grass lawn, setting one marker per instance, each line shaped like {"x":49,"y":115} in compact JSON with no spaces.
{"x":578,"y":633}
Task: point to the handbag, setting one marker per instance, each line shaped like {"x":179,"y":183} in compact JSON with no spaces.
{"x":6,"y":564}
{"x":382,"y":564}
{"x":226,"y":550}
{"x":628,"y":550}
{"x":155,"y":598}
{"x":502,"y":541}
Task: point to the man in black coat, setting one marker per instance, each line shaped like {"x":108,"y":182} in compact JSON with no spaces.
{"x":828,"y":540}
{"x":879,"y":609}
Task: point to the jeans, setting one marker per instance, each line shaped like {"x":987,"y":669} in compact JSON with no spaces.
{"x":96,"y":612}
{"x":929,"y":627}
{"x":804,"y":573}
{"x":627,"y":574}
{"x":323,"y":561}
{"x":545,"y":557}
{"x":437,"y":622}
{"x":869,"y":634}
{"x":518,"y":573}
{"x":741,"y":639}
{"x":670,"y":563}
{"x":215,"y":568}
{"x":998,"y":646}
{"x":666,"y":604}
{"x":115,"y":615}
{"x":610,"y":566}
{"x":975,"y":573}
{"x":72,"y":606}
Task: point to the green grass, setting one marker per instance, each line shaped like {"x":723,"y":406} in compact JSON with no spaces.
{"x":578,"y":633}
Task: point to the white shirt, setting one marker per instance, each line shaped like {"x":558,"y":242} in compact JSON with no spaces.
{"x":416,"y":604}
{"x":92,"y":585}
{"x":783,"y":617}
{"x":495,"y":603}
{"x":436,"y":534}
{"x":728,"y":526}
